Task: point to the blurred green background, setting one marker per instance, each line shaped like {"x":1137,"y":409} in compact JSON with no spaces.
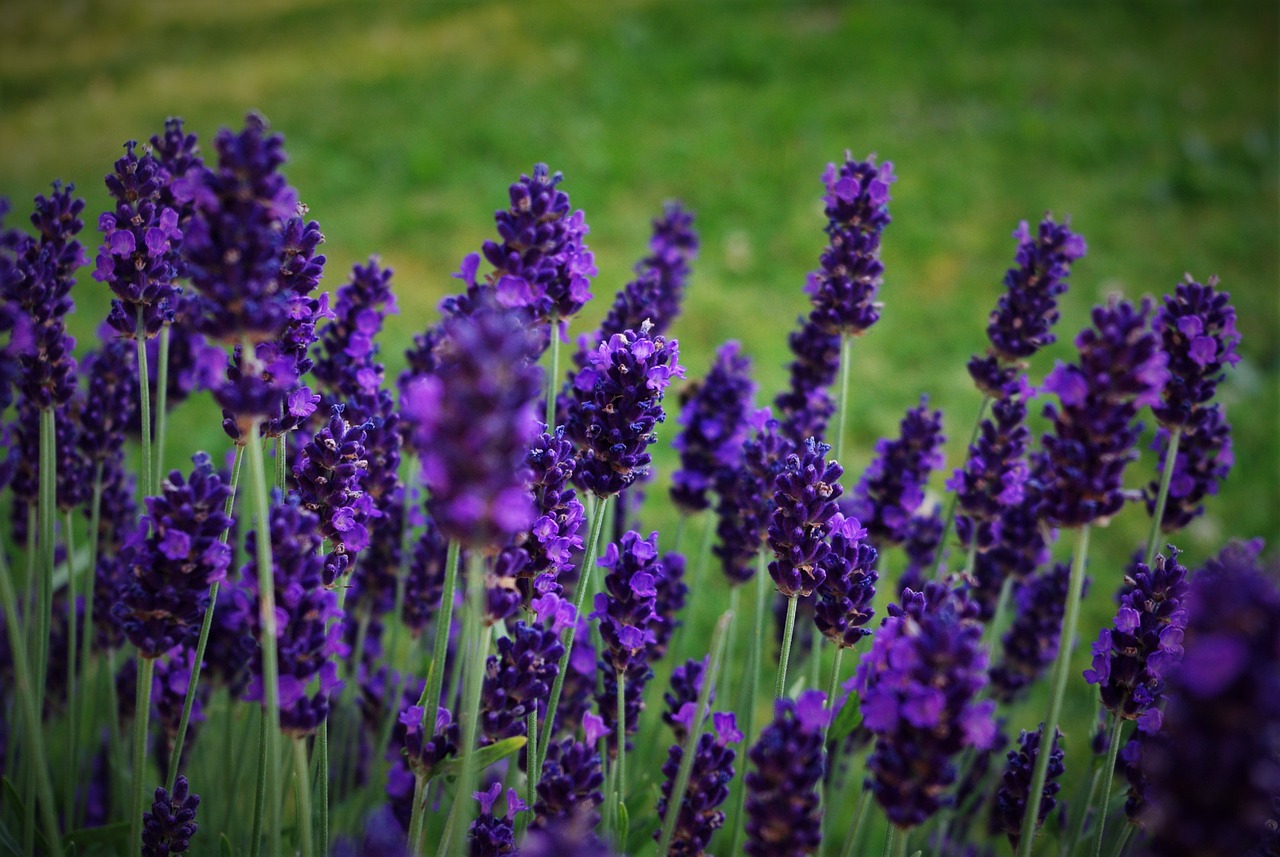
{"x":1153,"y":125}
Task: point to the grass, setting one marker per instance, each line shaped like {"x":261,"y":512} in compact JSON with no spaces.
{"x":1153,"y":125}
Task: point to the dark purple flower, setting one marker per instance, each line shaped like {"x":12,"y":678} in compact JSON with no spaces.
{"x":36,"y":275}
{"x":346,"y":365}
{"x":616,"y":403}
{"x":892,"y":488}
{"x":1132,"y":658}
{"x":569,"y":785}
{"x":141,"y":240}
{"x":1213,"y":781}
{"x":782,"y":804}
{"x":699,"y":816}
{"x":1031,"y":643}
{"x":1020,"y":324}
{"x":806,"y":405}
{"x":109,"y":401}
{"x":1121,"y":369}
{"x":423,"y":753}
{"x":844,"y":289}
{"x":1204,"y":460}
{"x":555,"y":537}
{"x":579,"y":684}
{"x":924,"y":540}
{"x":491,"y":835}
{"x":424,"y":583}
{"x":1011,"y":798}
{"x":658,"y":290}
{"x":805,"y":494}
{"x":473,"y":426}
{"x":919,"y":685}
{"x":686,"y":683}
{"x":1197,"y":329}
{"x":744,"y":494}
{"x":672,"y":594}
{"x":178,"y":153}
{"x":172,"y":559}
{"x":994,"y":475}
{"x":844,"y":598}
{"x":329,"y":472}
{"x":168,"y":827}
{"x":714,"y":416}
{"x":306,"y":639}
{"x":518,"y":678}
{"x":117,"y":520}
{"x":542,"y":265}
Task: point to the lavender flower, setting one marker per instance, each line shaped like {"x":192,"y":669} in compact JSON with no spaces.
{"x":686,"y":684}
{"x":518,"y":678}
{"x":424,"y":583}
{"x":141,"y":239}
{"x":1021,"y":323}
{"x":714,"y":416}
{"x":1132,"y":658}
{"x":745,"y":498}
{"x":569,"y":785}
{"x":307,"y":641}
{"x":709,"y":778}
{"x":844,"y":289}
{"x":658,"y":290}
{"x":179,"y":154}
{"x":329,"y":472}
{"x":556,"y":534}
{"x":1121,"y":369}
{"x":1011,"y":798}
{"x":1031,"y":643}
{"x":1213,"y":781}
{"x":848,"y":587}
{"x":491,"y":835}
{"x":346,"y":363}
{"x":806,"y":405}
{"x":425,"y":754}
{"x":617,"y":401}
{"x":919,"y":684}
{"x":672,"y":594}
{"x":542,"y":265}
{"x":1204,"y":460}
{"x":924,"y":540}
{"x":993,"y":477}
{"x":892,"y":488}
{"x":172,"y":559}
{"x":473,"y":425}
{"x":804,"y":513}
{"x":782,"y":804}
{"x":1197,"y":329}
{"x":168,"y":827}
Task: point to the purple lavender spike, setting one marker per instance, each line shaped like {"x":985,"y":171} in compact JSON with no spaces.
{"x":1011,"y":798}
{"x":699,"y":816}
{"x":1197,"y":329}
{"x":658,"y":290}
{"x":804,"y":513}
{"x":714,"y":416}
{"x":167,"y":829}
{"x":806,"y":406}
{"x":782,"y":804}
{"x":745,"y":498}
{"x":844,"y":597}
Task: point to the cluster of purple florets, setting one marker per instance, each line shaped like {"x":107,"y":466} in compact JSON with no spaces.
{"x":892,"y":488}
{"x":787,"y":762}
{"x":804,"y":513}
{"x":657,"y":292}
{"x":714,"y":417}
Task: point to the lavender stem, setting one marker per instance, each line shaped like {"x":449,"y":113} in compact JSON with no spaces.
{"x":1162,"y":498}
{"x":749,"y":695}
{"x":780,"y":687}
{"x":141,"y":716}
{"x":553,"y":375}
{"x":162,"y":408}
{"x":855,"y":831}
{"x":73,"y":736}
{"x":1108,"y":776}
{"x":950,"y":519}
{"x":302,"y":791}
{"x":148,"y":485}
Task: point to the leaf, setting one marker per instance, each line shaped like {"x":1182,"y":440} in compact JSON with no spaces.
{"x":482,"y":758}
{"x":624,"y":821}
{"x":116,"y":836}
{"x":11,"y":795}
{"x":224,"y":846}
{"x":848,"y":719}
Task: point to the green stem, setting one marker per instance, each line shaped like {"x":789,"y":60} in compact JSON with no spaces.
{"x":833,"y":685}
{"x":38,"y":763}
{"x":1083,"y":813}
{"x":1162,"y":498}
{"x":855,"y":829}
{"x":162,"y":400}
{"x":302,"y":792}
{"x":992,"y":632}
{"x":553,"y":376}
{"x":1108,"y":775}
{"x":842,"y":403}
{"x":260,"y":790}
{"x":47,"y":510}
{"x":267,"y":621}
{"x":697,"y":573}
{"x":950,"y":519}
{"x":73,"y":698}
{"x":1061,"y":668}
{"x":750,"y":690}
{"x":621,"y":781}
{"x":1122,"y":840}
{"x":888,"y":840}
{"x":579,"y":596}
{"x":531,"y":777}
{"x":430,"y":700}
{"x":202,"y":641}
{"x":281,"y":462}
{"x":322,"y":782}
{"x":780,"y":687}
{"x":141,"y":716}
{"x":473,"y":675}
{"x":685,"y":771}
{"x":148,"y":485}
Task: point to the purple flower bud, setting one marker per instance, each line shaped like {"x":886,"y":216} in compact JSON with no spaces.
{"x":804,"y":513}
{"x":745,"y":498}
{"x":892,"y":487}
{"x":995,"y":474}
{"x":1031,"y":643}
{"x":1197,"y":328}
{"x":844,"y":289}
{"x":569,"y":786}
{"x":848,"y":587}
{"x":686,"y":683}
{"x":714,"y":418}
{"x":167,"y":829}
{"x":699,"y":817}
{"x":329,"y":472}
{"x":518,"y":680}
{"x":1204,"y":460}
{"x":782,"y":803}
{"x":806,"y":405}
{"x":658,"y":290}
{"x":617,"y":402}
{"x":490,"y":835}
{"x":1011,"y":798}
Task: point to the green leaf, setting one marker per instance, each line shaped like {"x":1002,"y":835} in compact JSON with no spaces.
{"x":482,"y":758}
{"x":846,"y":721}
{"x":624,"y":821}
{"x":224,"y":846}
{"x":11,"y":795}
{"x":8,"y":842}
{"x":115,"y":836}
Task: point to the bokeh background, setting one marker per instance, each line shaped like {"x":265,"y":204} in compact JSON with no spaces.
{"x":1154,"y":126}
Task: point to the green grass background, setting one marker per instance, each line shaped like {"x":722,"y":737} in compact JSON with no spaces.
{"x":1153,"y":125}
